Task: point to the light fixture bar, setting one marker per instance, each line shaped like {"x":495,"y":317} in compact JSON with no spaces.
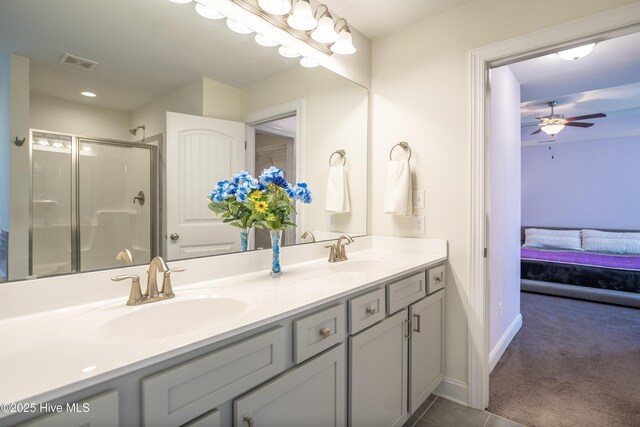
{"x":282,"y":24}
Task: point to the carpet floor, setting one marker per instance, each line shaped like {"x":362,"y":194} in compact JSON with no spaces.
{"x":573,"y":363}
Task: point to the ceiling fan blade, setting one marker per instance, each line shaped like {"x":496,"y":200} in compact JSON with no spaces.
{"x":579,"y":124}
{"x":538,"y":131}
{"x":588,"y":116}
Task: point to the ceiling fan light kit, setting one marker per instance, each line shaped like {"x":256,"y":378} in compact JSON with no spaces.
{"x":554,"y":123}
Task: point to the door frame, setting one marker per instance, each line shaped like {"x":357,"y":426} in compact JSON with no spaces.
{"x":613,"y":23}
{"x":297,"y":107}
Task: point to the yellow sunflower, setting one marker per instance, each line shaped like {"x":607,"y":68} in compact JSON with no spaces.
{"x":255,"y":195}
{"x":261,"y":207}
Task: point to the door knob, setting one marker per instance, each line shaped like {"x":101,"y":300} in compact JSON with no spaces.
{"x":174,"y":236}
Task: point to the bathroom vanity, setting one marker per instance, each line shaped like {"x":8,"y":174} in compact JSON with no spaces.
{"x":359,"y":342}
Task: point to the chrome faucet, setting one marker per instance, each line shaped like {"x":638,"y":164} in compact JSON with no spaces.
{"x":308,"y":234}
{"x":337,"y":251}
{"x":136,"y":297}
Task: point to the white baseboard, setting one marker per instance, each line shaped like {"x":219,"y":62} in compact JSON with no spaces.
{"x":504,"y":342}
{"x":453,"y":390}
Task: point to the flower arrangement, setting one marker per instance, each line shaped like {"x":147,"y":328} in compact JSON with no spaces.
{"x":267,"y":202}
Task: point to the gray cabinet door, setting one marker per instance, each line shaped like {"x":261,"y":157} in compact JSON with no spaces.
{"x":97,"y":411}
{"x":378,"y":374}
{"x":311,"y":394}
{"x":426,"y":355}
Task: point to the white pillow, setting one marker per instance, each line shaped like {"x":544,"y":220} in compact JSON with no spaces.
{"x":544,"y":238}
{"x":611,"y":242}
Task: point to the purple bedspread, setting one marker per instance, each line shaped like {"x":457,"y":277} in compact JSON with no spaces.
{"x":620,"y":262}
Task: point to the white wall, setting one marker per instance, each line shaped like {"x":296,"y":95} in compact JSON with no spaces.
{"x":59,"y":115}
{"x":335,"y":117}
{"x":504,"y":210}
{"x":221,"y":101}
{"x":420,"y":94}
{"x":586,"y":184}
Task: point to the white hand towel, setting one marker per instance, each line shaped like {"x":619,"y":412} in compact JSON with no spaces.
{"x":397,"y":196}
{"x":337,"y":191}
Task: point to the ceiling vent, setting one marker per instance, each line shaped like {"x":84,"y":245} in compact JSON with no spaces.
{"x":77,"y":62}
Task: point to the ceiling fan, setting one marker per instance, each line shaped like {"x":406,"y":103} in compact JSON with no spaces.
{"x":554,"y":123}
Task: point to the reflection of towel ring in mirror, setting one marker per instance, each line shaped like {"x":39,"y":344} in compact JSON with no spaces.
{"x":403,"y":145}
{"x":342,"y":154}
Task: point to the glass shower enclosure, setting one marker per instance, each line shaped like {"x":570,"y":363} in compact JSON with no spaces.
{"x":91,"y":198}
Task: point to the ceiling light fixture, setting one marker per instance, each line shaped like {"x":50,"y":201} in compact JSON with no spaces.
{"x":275,"y":7}
{"x":207,"y":12}
{"x":88,"y":94}
{"x":265,"y":41}
{"x":324,"y":32}
{"x":344,"y":44}
{"x":301,"y":17}
{"x":576,"y":52}
{"x":552,"y":129}
{"x":238,"y":27}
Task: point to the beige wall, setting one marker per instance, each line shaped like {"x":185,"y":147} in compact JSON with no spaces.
{"x":59,"y":115}
{"x":420,"y":94}
{"x":220,"y":101}
{"x":335,"y":117}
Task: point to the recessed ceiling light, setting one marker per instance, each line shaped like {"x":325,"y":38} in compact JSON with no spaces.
{"x":576,"y":52}
{"x":88,"y":94}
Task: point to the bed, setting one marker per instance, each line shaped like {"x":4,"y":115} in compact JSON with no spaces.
{"x":602,"y":277}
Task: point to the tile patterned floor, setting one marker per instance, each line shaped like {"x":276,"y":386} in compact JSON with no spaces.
{"x":438,"y":412}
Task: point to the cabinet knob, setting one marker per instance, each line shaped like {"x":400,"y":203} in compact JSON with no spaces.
{"x":371,"y":310}
{"x":325,"y":332}
{"x":248,"y":419}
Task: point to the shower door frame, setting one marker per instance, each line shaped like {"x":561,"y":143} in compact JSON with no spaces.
{"x":75,"y":191}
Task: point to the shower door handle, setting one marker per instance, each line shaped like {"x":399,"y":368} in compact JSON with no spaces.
{"x":174,"y":236}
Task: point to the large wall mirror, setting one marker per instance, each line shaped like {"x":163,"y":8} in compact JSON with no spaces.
{"x":181,"y":102}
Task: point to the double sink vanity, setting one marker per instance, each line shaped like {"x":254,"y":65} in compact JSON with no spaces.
{"x":358,"y":342}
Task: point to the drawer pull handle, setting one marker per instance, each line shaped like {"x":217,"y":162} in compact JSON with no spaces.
{"x":417,"y":328}
{"x":248,"y":419}
{"x":325,"y":332}
{"x":371,"y":311}
{"x":438,"y":279}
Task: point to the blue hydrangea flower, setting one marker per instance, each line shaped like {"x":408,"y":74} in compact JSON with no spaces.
{"x":301,"y":192}
{"x":269,"y":175}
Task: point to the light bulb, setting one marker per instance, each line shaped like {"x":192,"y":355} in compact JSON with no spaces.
{"x":287,"y":52}
{"x":302,"y":17}
{"x":207,"y":12}
{"x":238,"y":27}
{"x":324,"y":32}
{"x":344,"y":45}
{"x":308,"y":63}
{"x":275,"y":7}
{"x":265,"y":41}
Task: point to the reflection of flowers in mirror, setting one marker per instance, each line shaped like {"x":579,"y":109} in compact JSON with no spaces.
{"x":267,"y":202}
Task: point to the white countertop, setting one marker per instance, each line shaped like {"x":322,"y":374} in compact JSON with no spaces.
{"x":48,"y":353}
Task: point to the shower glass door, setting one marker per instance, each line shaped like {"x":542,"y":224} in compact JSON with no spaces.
{"x":51,"y":209}
{"x":116,"y":202}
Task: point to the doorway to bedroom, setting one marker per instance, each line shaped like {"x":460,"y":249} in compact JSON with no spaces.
{"x":553,"y":357}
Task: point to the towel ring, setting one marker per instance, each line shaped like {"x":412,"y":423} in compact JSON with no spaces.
{"x":403,"y":145}
{"x":342,"y":154}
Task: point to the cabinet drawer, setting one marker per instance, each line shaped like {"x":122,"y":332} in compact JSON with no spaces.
{"x":437,"y":278}
{"x":318,"y":332}
{"x":180,"y":394}
{"x":97,"y":411}
{"x":406,"y":291}
{"x":210,"y":419}
{"x":366,"y":310}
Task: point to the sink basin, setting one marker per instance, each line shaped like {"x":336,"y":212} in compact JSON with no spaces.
{"x":366,"y":264}
{"x":189,"y":311}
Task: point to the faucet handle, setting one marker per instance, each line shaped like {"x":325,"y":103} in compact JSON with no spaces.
{"x":332,"y":253}
{"x":136,"y":293}
{"x":167,"y":289}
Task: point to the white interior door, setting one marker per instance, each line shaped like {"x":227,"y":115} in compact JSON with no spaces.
{"x":200,"y":152}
